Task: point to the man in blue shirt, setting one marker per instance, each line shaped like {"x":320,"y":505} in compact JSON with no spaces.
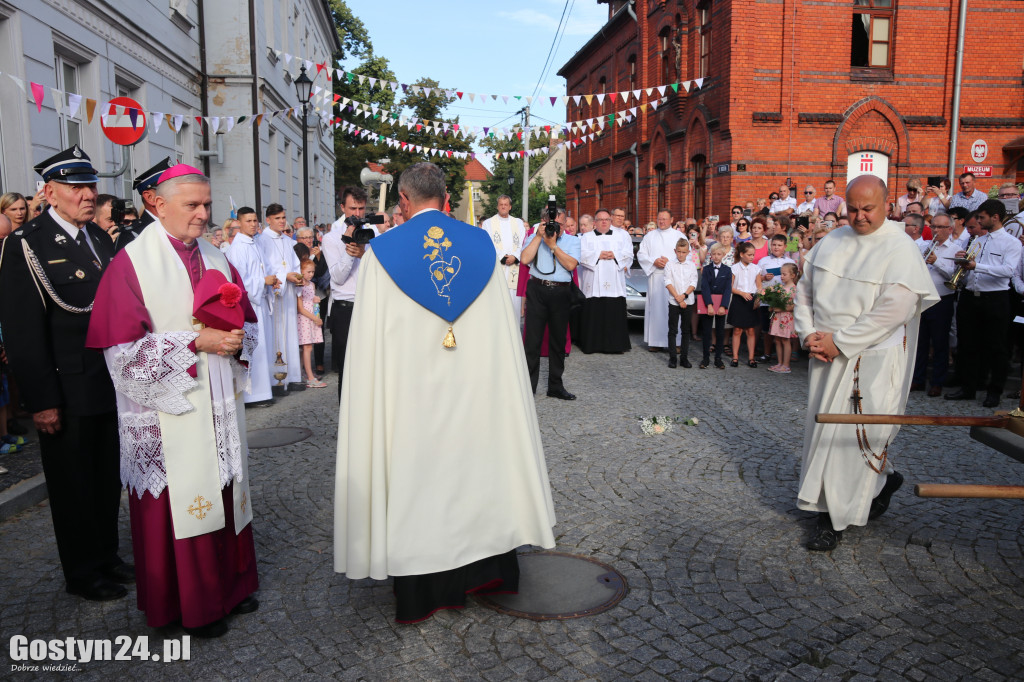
{"x":548,"y":297}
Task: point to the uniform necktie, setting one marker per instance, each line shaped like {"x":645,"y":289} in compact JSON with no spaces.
{"x":83,"y":242}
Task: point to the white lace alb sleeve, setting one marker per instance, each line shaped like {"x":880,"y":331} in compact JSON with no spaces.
{"x":153,"y":371}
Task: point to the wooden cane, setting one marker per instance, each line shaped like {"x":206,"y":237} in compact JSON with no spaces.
{"x":911,"y":419}
{"x":994,"y":492}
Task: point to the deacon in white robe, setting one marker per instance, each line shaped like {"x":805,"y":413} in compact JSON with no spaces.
{"x":858,"y":306}
{"x":606,"y":254}
{"x":507,"y":232}
{"x":439,"y":477}
{"x":656,"y":250}
{"x":245,"y":256}
{"x":279,"y":259}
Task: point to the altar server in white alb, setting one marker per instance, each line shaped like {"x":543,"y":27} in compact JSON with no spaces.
{"x":656,"y":251}
{"x":245,"y":256}
{"x":858,"y":307}
{"x":606,"y":253}
{"x":439,"y":477}
{"x":506,"y":231}
{"x":279,"y":259}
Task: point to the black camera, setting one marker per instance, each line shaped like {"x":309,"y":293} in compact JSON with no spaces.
{"x":117,"y":211}
{"x":362,"y":235}
{"x":551,"y":227}
{"x":803,"y":221}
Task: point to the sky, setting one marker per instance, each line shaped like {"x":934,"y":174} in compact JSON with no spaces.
{"x":482,"y":46}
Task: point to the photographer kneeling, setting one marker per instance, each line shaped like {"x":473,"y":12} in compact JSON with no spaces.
{"x":552,"y":256}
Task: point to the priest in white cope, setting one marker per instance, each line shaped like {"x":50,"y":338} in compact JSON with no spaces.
{"x":179,"y":380}
{"x":506,"y":231}
{"x":656,"y":250}
{"x":245,"y":257}
{"x":279,"y":259}
{"x":439,"y":477}
{"x":858,"y":306}
{"x":606,"y":253}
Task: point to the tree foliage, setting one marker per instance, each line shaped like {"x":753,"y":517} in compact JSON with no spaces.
{"x":355,"y":40}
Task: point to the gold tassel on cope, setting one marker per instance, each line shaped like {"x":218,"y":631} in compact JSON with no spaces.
{"x":449,"y":339}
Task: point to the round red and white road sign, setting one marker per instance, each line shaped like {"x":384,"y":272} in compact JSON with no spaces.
{"x":124,"y":121}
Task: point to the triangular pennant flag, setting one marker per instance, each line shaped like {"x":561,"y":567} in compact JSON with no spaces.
{"x":308,"y":64}
{"x":529,"y":100}
{"x":157,"y":118}
{"x":199,"y":122}
{"x":373,"y":81}
{"x":699,"y":82}
{"x":229,"y":122}
{"x":661,"y":90}
{"x":177,"y":121}
{"x":505,"y":98}
{"x":649,"y":91}
{"x":624,"y":95}
{"x":654,"y":104}
{"x":338,"y":73}
{"x":675,"y":87}
{"x":459,"y":94}
{"x":74,"y":101}
{"x":600,"y":99}
{"x":90,"y":108}
{"x":214,"y":122}
{"x":471,"y":96}
{"x":686,"y":86}
{"x":133,"y":115}
{"x":612,"y":96}
{"x":553,"y":100}
{"x":287,"y":59}
{"x":37,"y":95}
{"x":577,"y":98}
{"x":277,"y":53}
{"x":58,"y":99}
{"x":643,"y":108}
{"x":17,"y":81}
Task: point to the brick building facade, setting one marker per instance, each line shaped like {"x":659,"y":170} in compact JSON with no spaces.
{"x":845,"y":83}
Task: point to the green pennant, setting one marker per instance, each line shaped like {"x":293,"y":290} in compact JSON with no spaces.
{"x":611,"y":118}
{"x":241,"y":119}
{"x":675,"y":87}
{"x":518,"y":96}
{"x":350,"y":77}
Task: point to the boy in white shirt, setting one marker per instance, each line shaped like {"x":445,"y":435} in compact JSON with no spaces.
{"x":680,"y":280}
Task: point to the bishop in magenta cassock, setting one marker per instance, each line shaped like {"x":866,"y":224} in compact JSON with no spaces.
{"x":181,"y":417}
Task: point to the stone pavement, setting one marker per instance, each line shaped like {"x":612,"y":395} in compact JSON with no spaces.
{"x":701,"y":521}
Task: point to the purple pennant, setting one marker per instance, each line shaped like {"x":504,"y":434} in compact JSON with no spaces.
{"x":405,"y":88}
{"x":133,"y":114}
{"x":553,"y":100}
{"x":485,"y":130}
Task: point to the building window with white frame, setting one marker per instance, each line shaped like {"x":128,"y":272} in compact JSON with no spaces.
{"x":67,"y":80}
{"x":872,"y":33}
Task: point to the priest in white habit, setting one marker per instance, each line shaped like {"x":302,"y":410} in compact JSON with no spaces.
{"x":279,"y":259}
{"x":606,"y":254}
{"x":506,"y":231}
{"x":656,"y":251}
{"x":175,"y":325}
{"x":857,"y":310}
{"x":245,"y":256}
{"x":439,"y":477}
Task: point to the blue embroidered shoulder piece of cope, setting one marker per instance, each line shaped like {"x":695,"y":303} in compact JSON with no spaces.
{"x":437,"y":261}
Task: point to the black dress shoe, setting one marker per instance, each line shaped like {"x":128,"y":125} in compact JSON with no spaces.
{"x":881,"y":503}
{"x":825,"y":537}
{"x":121,"y":573}
{"x":685,"y":364}
{"x":672,"y":362}
{"x":217,"y":628}
{"x":719,"y":364}
{"x":704,"y":363}
{"x":247,"y":605}
{"x":99,"y":589}
{"x":960,"y":395}
{"x":561,"y":394}
{"x":991,"y":400}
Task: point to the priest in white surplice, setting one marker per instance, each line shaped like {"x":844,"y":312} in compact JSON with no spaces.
{"x":279,"y":259}
{"x":857,"y":310}
{"x":439,"y":476}
{"x":606,"y":253}
{"x":245,"y":256}
{"x":507,"y":232}
{"x":179,"y":380}
{"x":656,"y":250}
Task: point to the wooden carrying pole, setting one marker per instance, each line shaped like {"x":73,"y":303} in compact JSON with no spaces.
{"x":911,"y":419}
{"x":994,"y":492}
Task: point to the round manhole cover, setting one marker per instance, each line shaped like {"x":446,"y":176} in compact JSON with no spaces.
{"x":556,"y":586}
{"x":276,"y":437}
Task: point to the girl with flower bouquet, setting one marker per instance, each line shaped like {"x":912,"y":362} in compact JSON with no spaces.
{"x":780,"y":299}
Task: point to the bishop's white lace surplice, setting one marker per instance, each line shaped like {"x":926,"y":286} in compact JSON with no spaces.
{"x":151,"y":376}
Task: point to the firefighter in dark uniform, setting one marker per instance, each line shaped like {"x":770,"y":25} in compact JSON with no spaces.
{"x":145,"y":185}
{"x":49,"y":271}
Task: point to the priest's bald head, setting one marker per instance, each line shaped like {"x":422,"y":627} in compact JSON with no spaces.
{"x":865,"y":203}
{"x":421,"y":186}
{"x":183,"y":202}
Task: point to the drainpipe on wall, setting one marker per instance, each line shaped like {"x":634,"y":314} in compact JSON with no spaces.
{"x":257,"y":183}
{"x":636,"y":182}
{"x":204,"y":86}
{"x":957,"y":82}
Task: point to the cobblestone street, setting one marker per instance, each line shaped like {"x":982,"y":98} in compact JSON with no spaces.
{"x":701,"y":521}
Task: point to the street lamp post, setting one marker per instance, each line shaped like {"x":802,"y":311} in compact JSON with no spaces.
{"x":303,"y":89}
